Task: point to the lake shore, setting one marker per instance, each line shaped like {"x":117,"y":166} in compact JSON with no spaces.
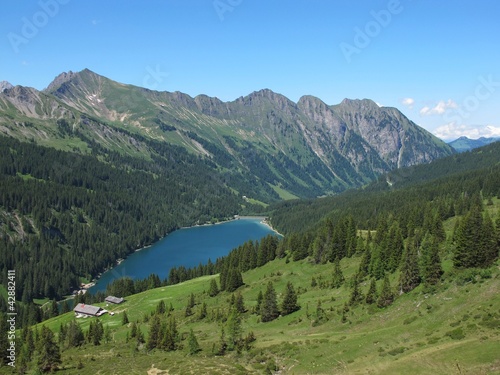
{"x":262,"y":220}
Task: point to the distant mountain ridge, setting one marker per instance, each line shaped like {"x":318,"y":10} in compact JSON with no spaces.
{"x":463,"y":144}
{"x":266,"y":146}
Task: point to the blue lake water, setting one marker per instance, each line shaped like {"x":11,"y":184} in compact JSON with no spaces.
{"x":185,"y":247}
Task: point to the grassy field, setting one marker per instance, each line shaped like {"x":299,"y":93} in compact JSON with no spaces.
{"x":452,"y":331}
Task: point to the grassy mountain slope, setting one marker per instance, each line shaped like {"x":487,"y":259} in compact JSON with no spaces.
{"x":453,"y":330}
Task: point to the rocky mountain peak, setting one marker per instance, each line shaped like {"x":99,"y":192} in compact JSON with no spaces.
{"x":359,"y":104}
{"x":4,"y":85}
{"x":60,"y":80}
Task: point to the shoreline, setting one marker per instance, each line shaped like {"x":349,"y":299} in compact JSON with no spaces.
{"x":263,"y":221}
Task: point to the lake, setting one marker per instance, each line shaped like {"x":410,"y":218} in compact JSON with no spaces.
{"x":186,"y":247}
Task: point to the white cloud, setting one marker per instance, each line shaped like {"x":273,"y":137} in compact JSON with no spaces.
{"x":440,"y":108}
{"x":408,"y":102}
{"x":453,"y":131}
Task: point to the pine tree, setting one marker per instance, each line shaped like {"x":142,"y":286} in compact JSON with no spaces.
{"x":468,"y":240}
{"x":124,"y":318}
{"x":395,"y":247}
{"x":239,"y":304}
{"x":364,"y":265}
{"x":234,"y":331}
{"x":235,"y":280}
{"x":49,"y":355}
{"x":193,"y":345}
{"x":75,"y":335}
{"x":160,"y":308}
{"x":371,"y":295}
{"x":171,"y":335}
{"x":203,"y":311}
{"x":222,"y":345}
{"x":260,"y":298}
{"x":269,"y":306}
{"x":356,"y":296}
{"x":386,"y":297}
{"x":65,"y":307}
{"x":154,"y":332}
{"x":410,"y":273}
{"x":338,"y":277}
{"x":488,"y":244}
{"x":214,"y":289}
{"x":289,"y":304}
{"x":133,"y":330}
{"x":431,"y":269}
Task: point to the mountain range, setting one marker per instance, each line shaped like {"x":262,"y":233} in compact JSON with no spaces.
{"x":266,"y":146}
{"x":463,"y":144}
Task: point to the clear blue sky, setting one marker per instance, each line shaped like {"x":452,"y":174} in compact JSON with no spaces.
{"x":438,"y":62}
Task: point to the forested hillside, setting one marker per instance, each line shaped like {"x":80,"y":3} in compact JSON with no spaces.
{"x":447,"y":182}
{"x":65,"y":217}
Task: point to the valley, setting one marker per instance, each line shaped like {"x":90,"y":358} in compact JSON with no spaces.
{"x":388,"y":264}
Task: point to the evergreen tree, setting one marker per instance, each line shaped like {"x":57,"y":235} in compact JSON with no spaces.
{"x":269,"y":306}
{"x":371,"y":295}
{"x":468,"y":240}
{"x":235,"y":280}
{"x":54,"y":309}
{"x":234,"y":331}
{"x":338,"y":277}
{"x":124,"y":318}
{"x":95,"y":333}
{"x":75,"y":335}
{"x":289,"y":304}
{"x":65,"y":307}
{"x":356,"y":296}
{"x":154,"y":332}
{"x":410,"y":273}
{"x":49,"y":355}
{"x":260,"y":298}
{"x":488,"y":244}
{"x":160,"y":308}
{"x":191,"y":302}
{"x":431,"y":269}
{"x":364,"y":265}
{"x":203,"y":311}
{"x":395,"y":247}
{"x":222,"y":345}
{"x":133,"y":330}
{"x":214,"y":289}
{"x":193,"y":345}
{"x":171,"y":335}
{"x":386,"y":297}
{"x":239,"y":304}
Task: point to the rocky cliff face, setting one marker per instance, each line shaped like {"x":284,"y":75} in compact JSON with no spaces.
{"x":307,"y":148}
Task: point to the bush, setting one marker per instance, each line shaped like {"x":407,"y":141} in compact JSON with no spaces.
{"x":456,"y":334}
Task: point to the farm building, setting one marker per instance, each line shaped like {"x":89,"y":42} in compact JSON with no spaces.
{"x":113,"y":299}
{"x":88,"y":310}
